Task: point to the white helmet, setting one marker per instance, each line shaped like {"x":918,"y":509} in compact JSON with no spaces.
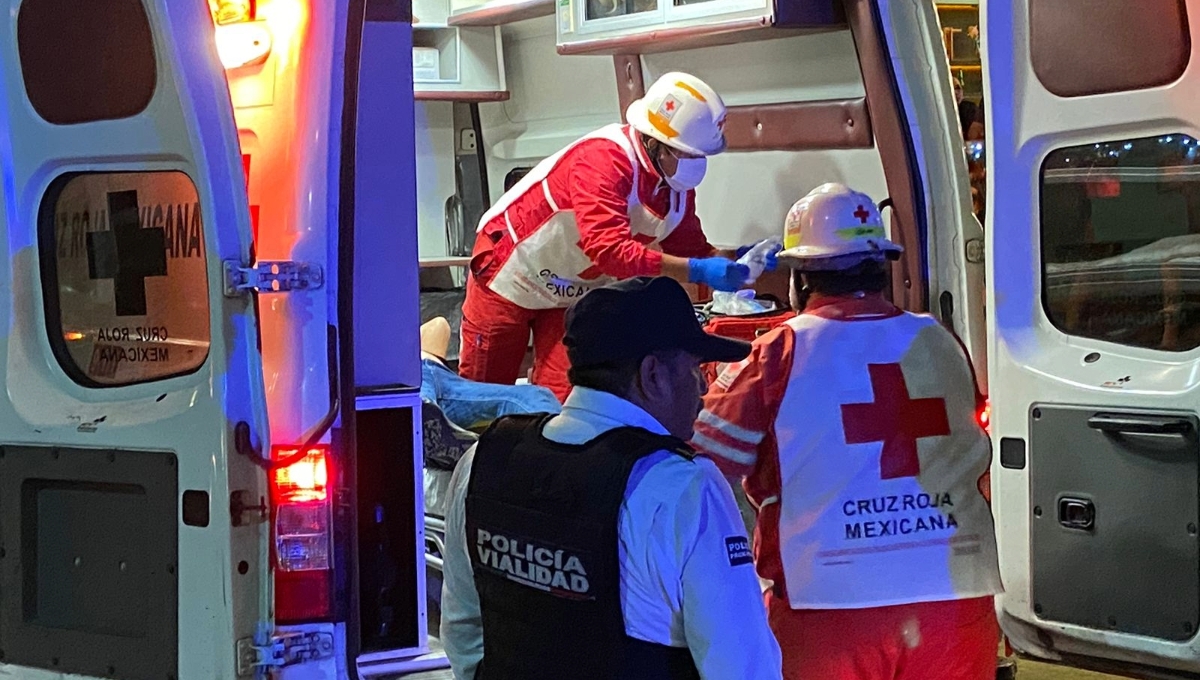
{"x":682,"y":112}
{"x":835,"y":227}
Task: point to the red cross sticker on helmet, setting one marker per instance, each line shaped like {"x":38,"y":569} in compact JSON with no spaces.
{"x":669,"y":106}
{"x":862,"y":214}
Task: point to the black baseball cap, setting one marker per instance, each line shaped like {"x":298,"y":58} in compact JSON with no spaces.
{"x":634,"y":318}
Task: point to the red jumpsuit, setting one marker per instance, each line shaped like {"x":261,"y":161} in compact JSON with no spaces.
{"x":594,"y":213}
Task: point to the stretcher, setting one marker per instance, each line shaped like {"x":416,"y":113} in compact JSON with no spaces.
{"x":444,"y":444}
{"x":740,"y":327}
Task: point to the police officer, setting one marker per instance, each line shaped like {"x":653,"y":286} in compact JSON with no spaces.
{"x":854,"y":425}
{"x":593,"y":544}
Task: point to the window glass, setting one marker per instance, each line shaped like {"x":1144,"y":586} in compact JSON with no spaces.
{"x":1120,"y":236}
{"x":124,"y":276}
{"x":606,"y":9}
{"x":86,"y":61}
{"x":1081,"y":47}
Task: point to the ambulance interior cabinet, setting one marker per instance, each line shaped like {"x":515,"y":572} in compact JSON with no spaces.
{"x":645,"y":26}
{"x":455,"y":63}
{"x":391,"y":520}
{"x":469,"y":64}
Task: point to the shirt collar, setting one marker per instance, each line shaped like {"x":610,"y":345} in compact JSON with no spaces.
{"x":594,"y":405}
{"x":850,"y":307}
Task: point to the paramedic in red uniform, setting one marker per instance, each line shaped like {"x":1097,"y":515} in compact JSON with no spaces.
{"x":854,"y":428}
{"x":615,"y":204}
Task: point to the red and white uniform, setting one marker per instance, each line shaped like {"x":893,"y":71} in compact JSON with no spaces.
{"x":595,"y":212}
{"x":855,"y":426}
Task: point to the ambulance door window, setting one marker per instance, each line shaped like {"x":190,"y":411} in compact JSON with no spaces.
{"x":1120,"y":241}
{"x":124,"y":276}
{"x":1127,"y":46}
{"x":72,"y":51}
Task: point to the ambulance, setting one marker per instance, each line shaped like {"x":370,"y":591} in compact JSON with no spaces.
{"x":227,"y":218}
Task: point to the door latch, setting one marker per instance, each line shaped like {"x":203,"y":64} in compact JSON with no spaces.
{"x":1076,"y":513}
{"x":282,"y":650}
{"x":241,"y":504}
{"x":271,"y":277}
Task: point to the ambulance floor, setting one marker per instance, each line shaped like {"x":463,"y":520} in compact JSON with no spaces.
{"x":1030,"y":670}
{"x":1026,"y":670}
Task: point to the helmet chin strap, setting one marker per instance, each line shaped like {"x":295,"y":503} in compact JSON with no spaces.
{"x":653,"y":147}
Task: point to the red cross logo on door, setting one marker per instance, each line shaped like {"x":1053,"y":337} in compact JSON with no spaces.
{"x":895,"y":419}
{"x":862,"y":214}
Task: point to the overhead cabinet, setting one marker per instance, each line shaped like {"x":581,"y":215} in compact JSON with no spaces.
{"x":647,"y":26}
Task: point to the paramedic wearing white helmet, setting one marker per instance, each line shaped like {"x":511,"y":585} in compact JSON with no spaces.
{"x":615,"y":204}
{"x":854,"y":428}
{"x":594,"y":545}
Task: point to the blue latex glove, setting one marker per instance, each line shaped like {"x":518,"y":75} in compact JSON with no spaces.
{"x":718,"y":273}
{"x":771,"y":261}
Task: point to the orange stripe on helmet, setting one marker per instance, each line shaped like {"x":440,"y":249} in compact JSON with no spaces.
{"x":691,"y":90}
{"x":661,"y":124}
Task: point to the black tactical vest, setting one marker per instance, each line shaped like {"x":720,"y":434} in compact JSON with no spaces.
{"x":542,"y":534}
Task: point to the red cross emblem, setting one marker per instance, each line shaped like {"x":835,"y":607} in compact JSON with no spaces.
{"x":896,"y":420}
{"x":670,"y":105}
{"x":862,"y":214}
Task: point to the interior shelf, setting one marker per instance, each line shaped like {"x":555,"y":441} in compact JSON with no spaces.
{"x":445,"y":261}
{"x":470,"y":96}
{"x":499,"y":12}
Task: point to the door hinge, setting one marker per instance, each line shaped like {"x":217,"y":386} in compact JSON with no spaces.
{"x":282,"y":650}
{"x":271,"y":277}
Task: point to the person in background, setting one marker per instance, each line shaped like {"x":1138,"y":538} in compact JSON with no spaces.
{"x":618,"y":203}
{"x":967,"y":111}
{"x":594,"y":545}
{"x":854,"y":427}
{"x":977,"y":130}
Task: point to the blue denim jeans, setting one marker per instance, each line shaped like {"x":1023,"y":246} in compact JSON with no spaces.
{"x":467,"y":403}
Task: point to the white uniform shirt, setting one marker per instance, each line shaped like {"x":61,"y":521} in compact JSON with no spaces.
{"x":686,"y":576}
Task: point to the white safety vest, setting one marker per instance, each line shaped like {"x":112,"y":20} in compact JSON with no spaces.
{"x":879,"y":456}
{"x":548,"y":268}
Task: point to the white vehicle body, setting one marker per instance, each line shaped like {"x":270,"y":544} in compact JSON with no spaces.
{"x":1091,"y":253}
{"x":147,"y":526}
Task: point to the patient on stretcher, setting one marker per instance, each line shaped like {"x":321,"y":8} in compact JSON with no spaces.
{"x":455,"y":409}
{"x":466,"y":403}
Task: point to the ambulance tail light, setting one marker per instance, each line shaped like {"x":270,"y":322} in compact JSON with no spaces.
{"x":303,"y":533}
{"x":985,"y":416}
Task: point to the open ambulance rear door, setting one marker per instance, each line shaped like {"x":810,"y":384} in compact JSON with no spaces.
{"x":1093,"y":253}
{"x":134,"y":533}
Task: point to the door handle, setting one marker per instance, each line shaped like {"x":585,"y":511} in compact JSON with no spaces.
{"x":1113,"y":423}
{"x":1077,"y":513}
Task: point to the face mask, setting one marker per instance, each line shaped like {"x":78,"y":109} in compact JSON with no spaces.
{"x":688,"y":173}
